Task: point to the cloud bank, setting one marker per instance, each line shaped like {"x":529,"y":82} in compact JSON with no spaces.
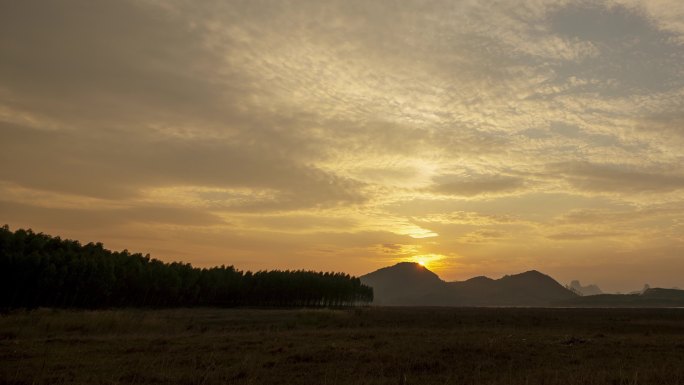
{"x":314,"y":134}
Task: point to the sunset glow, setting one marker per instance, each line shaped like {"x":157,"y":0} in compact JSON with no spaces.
{"x":474,"y":138}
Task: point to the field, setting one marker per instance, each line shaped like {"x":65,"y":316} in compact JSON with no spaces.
{"x":343,"y":346}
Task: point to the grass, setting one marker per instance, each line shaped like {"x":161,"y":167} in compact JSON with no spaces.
{"x":348,"y":346}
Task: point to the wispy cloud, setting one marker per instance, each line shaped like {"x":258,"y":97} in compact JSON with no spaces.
{"x":331,"y":128}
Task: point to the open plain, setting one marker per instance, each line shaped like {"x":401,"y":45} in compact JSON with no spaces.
{"x":371,"y":345}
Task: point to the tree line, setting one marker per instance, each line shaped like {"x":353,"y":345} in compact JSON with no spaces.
{"x":41,"y":270}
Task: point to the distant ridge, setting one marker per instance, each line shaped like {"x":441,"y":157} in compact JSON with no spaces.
{"x":410,"y":284}
{"x":530,"y":288}
{"x":648,"y":298}
{"x":591,"y":289}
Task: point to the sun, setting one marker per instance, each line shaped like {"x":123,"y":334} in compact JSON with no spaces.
{"x":428,"y":261}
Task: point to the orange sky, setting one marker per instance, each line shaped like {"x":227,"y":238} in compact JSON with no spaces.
{"x":479,"y":138}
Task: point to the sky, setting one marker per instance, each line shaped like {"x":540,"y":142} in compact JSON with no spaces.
{"x":478,"y":137}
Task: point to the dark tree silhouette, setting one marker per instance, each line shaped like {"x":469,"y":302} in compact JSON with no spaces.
{"x":40,"y":270}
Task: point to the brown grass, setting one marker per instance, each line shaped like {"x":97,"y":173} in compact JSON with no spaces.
{"x":350,"y":346}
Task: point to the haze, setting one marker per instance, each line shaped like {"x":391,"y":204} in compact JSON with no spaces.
{"x":479,"y":138}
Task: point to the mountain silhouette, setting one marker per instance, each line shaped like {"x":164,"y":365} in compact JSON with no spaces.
{"x":405,"y":283}
{"x":649,"y":297}
{"x":530,"y":288}
{"x":577,"y":287}
{"x":410,"y":284}
{"x":642,"y":291}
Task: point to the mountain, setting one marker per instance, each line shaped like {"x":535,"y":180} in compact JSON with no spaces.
{"x":584,"y":290}
{"x":530,"y":288}
{"x":655,"y":297}
{"x":411,"y":284}
{"x":642,"y":291}
{"x":402,"y":284}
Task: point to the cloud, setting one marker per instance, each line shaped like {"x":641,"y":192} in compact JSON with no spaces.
{"x":118,"y":167}
{"x":668,"y":123}
{"x":482,"y":236}
{"x":468,"y":217}
{"x":634,"y":54}
{"x":583,"y":235}
{"x":470,"y":186}
{"x":76,"y":218}
{"x":298,"y":222}
{"x":325,"y":129}
{"x":104,"y":63}
{"x":618,"y":178}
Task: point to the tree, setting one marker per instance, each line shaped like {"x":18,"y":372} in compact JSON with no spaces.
{"x":41,"y":270}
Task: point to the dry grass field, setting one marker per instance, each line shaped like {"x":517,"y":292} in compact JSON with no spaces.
{"x":345,"y":346}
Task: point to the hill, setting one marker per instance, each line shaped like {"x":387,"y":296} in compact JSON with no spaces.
{"x":410,"y":284}
{"x":405,"y":283}
{"x":577,"y":287}
{"x":530,"y":288}
{"x":648,"y":298}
